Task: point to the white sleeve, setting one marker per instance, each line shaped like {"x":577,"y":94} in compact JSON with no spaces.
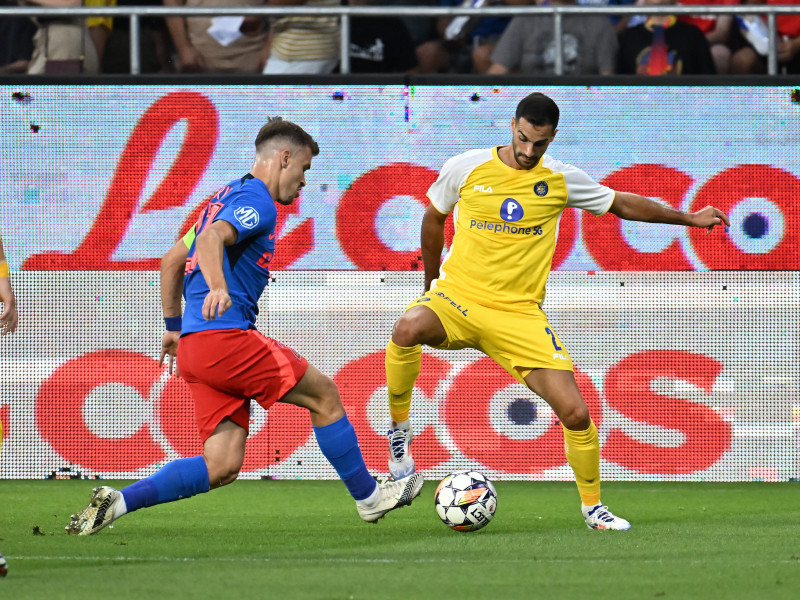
{"x":444,"y":191}
{"x":584,"y":192}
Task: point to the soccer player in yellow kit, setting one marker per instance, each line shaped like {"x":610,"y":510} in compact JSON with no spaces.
{"x":488,"y":291}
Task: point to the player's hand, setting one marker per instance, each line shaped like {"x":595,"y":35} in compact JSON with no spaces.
{"x":708,"y":217}
{"x":9,"y":317}
{"x":216,"y":303}
{"x":191,"y":60}
{"x":788,"y":49}
{"x":263,"y":57}
{"x":169,"y":347}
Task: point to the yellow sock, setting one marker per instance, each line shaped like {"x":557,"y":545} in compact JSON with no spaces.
{"x":583,"y":454}
{"x":402,"y":370}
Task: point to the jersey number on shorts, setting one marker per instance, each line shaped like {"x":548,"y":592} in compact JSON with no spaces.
{"x":553,"y":337}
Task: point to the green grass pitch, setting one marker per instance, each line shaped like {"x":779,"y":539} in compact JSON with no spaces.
{"x":303,"y":539}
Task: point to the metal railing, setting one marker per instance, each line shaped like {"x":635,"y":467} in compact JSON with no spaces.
{"x":345,"y":13}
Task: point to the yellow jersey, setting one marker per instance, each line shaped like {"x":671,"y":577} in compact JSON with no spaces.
{"x":506,"y":224}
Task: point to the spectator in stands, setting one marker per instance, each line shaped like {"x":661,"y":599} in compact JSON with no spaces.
{"x":716,"y":28}
{"x":620,"y":23}
{"x":99,"y":29}
{"x":421,"y":29}
{"x":589,"y":45}
{"x":227,"y":44}
{"x":380,"y":44}
{"x":154,"y":43}
{"x":16,"y":41}
{"x":751,"y":60}
{"x":663,"y":45}
{"x":433,"y":55}
{"x":69,"y":45}
{"x":303,"y":44}
{"x":464,"y":44}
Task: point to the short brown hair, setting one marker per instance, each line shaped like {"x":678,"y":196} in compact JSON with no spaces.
{"x":276,"y":127}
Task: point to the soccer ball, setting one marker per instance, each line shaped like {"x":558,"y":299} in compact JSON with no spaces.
{"x":465,"y":501}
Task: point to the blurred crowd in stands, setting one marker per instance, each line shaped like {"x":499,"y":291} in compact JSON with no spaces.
{"x":591,"y":44}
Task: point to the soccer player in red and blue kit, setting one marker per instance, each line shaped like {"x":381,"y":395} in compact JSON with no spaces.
{"x":222,"y":267}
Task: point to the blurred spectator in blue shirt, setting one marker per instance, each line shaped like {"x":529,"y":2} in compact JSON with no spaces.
{"x":465,"y":44}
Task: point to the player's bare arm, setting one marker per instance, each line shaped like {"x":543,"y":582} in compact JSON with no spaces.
{"x":210,"y":244}
{"x":633,"y":207}
{"x":8,"y":317}
{"x":173,"y":264}
{"x":432,"y":238}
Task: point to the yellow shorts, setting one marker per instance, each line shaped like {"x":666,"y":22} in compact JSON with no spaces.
{"x":518,"y":342}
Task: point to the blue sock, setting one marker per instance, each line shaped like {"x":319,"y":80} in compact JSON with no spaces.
{"x":182,"y":478}
{"x":339,"y":445}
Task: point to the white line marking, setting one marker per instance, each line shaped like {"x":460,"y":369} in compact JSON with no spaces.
{"x":233,"y":559}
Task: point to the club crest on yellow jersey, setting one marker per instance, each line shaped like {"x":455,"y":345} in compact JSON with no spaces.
{"x":541,"y":188}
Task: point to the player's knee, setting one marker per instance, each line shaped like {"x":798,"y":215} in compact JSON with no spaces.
{"x":406,"y":331}
{"x":576,"y":418}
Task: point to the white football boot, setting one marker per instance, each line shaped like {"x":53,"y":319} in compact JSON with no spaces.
{"x":393,"y":494}
{"x":98,"y":514}
{"x":599,"y":517}
{"x":401,"y":463}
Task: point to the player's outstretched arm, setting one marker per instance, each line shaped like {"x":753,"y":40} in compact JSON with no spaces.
{"x":633,"y":207}
{"x":173,"y":264}
{"x":209,"y":245}
{"x":9,"y":317}
{"x":432,"y":240}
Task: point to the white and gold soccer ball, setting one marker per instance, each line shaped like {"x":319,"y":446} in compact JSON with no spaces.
{"x":465,"y":501}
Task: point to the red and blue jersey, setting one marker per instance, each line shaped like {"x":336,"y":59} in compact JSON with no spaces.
{"x":247,"y":205}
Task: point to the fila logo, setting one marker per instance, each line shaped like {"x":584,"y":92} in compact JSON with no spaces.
{"x":484,"y":189}
{"x":559,"y":355}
